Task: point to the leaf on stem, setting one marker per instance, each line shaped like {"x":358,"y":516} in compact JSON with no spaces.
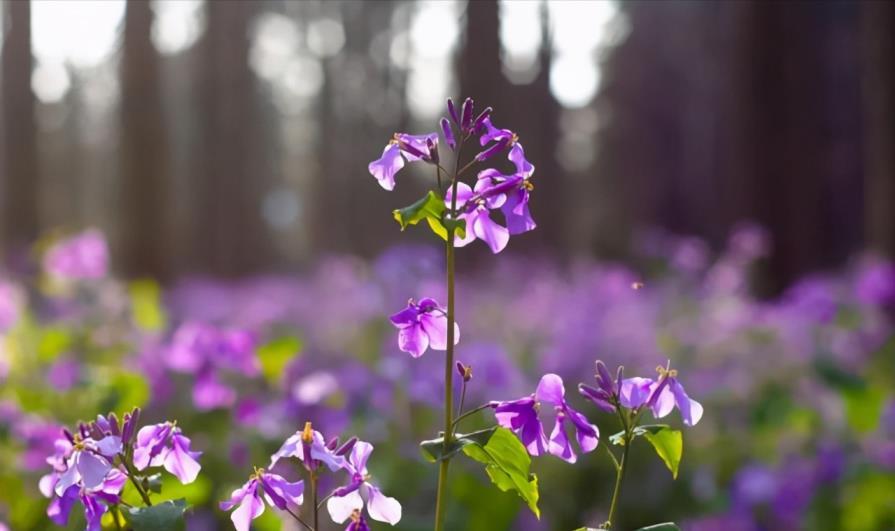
{"x":433,"y":449}
{"x":507,"y":463}
{"x":430,"y":208}
{"x":669,"y":445}
{"x":167,"y":515}
{"x":618,"y":439}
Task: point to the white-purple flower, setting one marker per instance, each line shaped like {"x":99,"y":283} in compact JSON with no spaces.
{"x":310,"y":447}
{"x":522,"y":416}
{"x":421,"y":326}
{"x":350,"y":499}
{"x":260,"y":488}
{"x":165,"y":445}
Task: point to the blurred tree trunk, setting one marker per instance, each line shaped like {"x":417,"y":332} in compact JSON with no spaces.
{"x":145,"y":206}
{"x":229,"y":235}
{"x":878,"y":82}
{"x":19,"y":197}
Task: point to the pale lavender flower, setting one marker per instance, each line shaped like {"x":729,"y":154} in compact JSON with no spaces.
{"x":83,"y":256}
{"x":262,"y":486}
{"x":421,"y":326}
{"x":475,"y":210}
{"x":661,"y":396}
{"x":348,"y":500}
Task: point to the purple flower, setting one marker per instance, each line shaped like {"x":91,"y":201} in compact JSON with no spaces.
{"x":402,"y":147}
{"x":165,"y":445}
{"x":83,"y":256}
{"x":476,"y":213}
{"x":521,"y":416}
{"x":421,"y":326}
{"x":661,"y":396}
{"x":262,"y":486}
{"x":348,"y":500}
{"x":491,"y":133}
{"x":511,"y":192}
{"x":607,"y":393}
{"x":10,"y":301}
{"x":310,"y":447}
{"x":94,"y":500}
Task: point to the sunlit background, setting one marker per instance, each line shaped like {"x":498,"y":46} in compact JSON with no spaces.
{"x":737,"y":157}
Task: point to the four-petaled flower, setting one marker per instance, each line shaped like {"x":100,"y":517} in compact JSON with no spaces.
{"x":309,"y":446}
{"x":348,"y":500}
{"x":421,"y":326}
{"x":521,"y":416}
{"x":661,"y":396}
{"x":262,"y":486}
{"x":165,"y":445}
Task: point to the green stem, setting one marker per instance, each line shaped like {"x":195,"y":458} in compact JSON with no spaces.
{"x":448,"y":359}
{"x":620,"y":474}
{"x":470,"y":412}
{"x":462,"y":400}
{"x":132,"y":474}
{"x":315,"y":505}
{"x":116,"y":515}
{"x":299,"y":520}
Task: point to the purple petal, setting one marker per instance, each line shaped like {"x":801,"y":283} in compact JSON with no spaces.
{"x":587,"y":434}
{"x":93,"y":469}
{"x":237,"y":496}
{"x":493,"y":234}
{"x":413,"y":340}
{"x":691,"y":410}
{"x":435,"y":326}
{"x":109,"y":446}
{"x":385,"y":167}
{"x":341,"y":507}
{"x":448,"y":133}
{"x":517,"y":157}
{"x":517,"y":213}
{"x":251,"y":507}
{"x":359,"y":456}
{"x":663,"y":400}
{"x":634,"y":392}
{"x":533,"y":437}
{"x":180,"y":461}
{"x":405,"y":317}
{"x":597,"y":396}
{"x":280,"y":492}
{"x":60,"y":507}
{"x":551,"y":389}
{"x":559,"y":441}
{"x":290,"y":448}
{"x":464,"y":194}
{"x":382,"y":507}
{"x":93,"y":512}
{"x":67,"y":479}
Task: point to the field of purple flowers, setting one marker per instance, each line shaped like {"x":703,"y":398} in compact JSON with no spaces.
{"x":296,"y":358}
{"x":799,"y":423}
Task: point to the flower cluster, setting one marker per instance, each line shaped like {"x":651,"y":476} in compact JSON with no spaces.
{"x":84,"y":256}
{"x":493,"y":189}
{"x":92,"y":464}
{"x":660,"y":395}
{"x":345,"y":503}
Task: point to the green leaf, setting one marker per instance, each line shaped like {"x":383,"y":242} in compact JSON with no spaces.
{"x":153,"y":483}
{"x":128,"y":390}
{"x":433,"y":449}
{"x":430,"y":208}
{"x":666,"y":526}
{"x":275,"y":355}
{"x":166,"y":515}
{"x":507,"y":463}
{"x":669,"y":445}
{"x":146,"y":305}
{"x":53,"y":341}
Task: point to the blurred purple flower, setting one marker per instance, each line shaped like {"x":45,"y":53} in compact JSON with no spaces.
{"x":421,"y":326}
{"x":10,"y":301}
{"x":64,"y":374}
{"x":82,"y":256}
{"x":875,"y":284}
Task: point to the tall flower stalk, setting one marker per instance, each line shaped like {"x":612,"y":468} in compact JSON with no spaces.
{"x":459,"y":214}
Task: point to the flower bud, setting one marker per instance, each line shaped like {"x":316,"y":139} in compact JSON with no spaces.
{"x":114,"y":424}
{"x":448,"y":133}
{"x":480,"y":119}
{"x":333,"y":443}
{"x":453,"y":112}
{"x":465,"y":371}
{"x":433,"y":151}
{"x":345,"y":448}
{"x":493,"y":150}
{"x":466,"y":119}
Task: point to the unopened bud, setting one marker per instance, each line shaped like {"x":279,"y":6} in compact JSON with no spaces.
{"x":433,"y":151}
{"x":480,"y":119}
{"x":345,"y":448}
{"x":466,"y":116}
{"x":333,"y":443}
{"x":453,"y":112}
{"x":465,"y":371}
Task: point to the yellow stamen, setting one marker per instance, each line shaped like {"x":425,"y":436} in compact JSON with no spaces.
{"x":307,"y":435}
{"x":528,"y":185}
